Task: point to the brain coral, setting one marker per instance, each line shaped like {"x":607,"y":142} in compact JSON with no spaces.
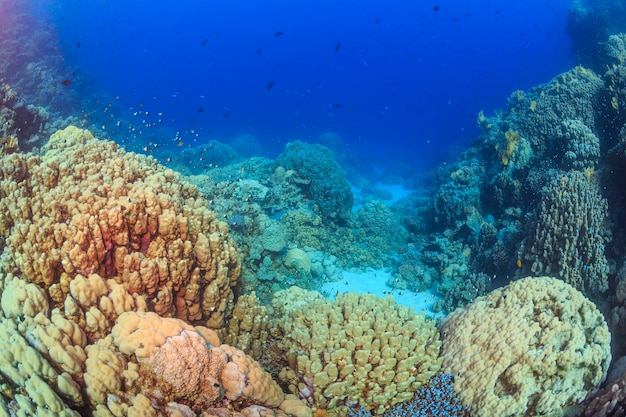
{"x":356,"y":350}
{"x":569,"y":236}
{"x":104,"y":231}
{"x":531,"y":348}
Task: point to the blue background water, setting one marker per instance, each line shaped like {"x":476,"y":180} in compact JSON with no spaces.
{"x":395,"y":79}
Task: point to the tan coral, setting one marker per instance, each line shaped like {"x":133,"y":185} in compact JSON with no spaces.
{"x":47,"y":391}
{"x":529,"y":349}
{"x":248,"y":326}
{"x":359,"y":349}
{"x":179,"y":366}
{"x":20,"y":298}
{"x":85,"y":212}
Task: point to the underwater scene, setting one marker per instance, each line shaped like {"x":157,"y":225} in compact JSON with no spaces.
{"x":312,"y":208}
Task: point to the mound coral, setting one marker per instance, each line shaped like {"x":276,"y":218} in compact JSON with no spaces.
{"x":531,"y":348}
{"x":85,"y":212}
{"x":95,"y":237}
{"x":356,"y":350}
{"x":326,"y":182}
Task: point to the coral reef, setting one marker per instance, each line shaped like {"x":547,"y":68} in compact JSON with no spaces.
{"x":31,"y":59}
{"x":531,"y":348}
{"x":103,"y":249}
{"x":589,"y":24}
{"x":569,"y":235}
{"x":86,"y":211}
{"x":21,"y":125}
{"x":497,"y":212}
{"x":322,"y":179}
{"x":356,"y":350}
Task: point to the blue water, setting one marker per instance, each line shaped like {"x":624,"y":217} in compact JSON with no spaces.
{"x":396,"y":80}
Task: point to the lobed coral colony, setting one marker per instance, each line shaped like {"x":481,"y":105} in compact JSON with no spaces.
{"x":130,"y":289}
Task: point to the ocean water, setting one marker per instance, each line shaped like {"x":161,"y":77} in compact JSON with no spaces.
{"x":433,"y":152}
{"x":395,"y":80}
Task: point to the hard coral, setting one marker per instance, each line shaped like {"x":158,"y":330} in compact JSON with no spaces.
{"x":89,"y":222}
{"x":569,"y":236}
{"x":356,"y":350}
{"x":532,"y":348}
{"x":327,"y":184}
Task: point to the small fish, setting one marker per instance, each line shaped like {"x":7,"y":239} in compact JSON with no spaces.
{"x":78,"y":44}
{"x":436,"y":8}
{"x":66,"y":82}
{"x":278,"y":34}
{"x":204,"y":41}
{"x":270,"y":84}
{"x":338,"y":46}
{"x":337,"y":106}
{"x":226,"y":115}
{"x":377,"y":21}
{"x":258,"y":51}
{"x":201,"y":109}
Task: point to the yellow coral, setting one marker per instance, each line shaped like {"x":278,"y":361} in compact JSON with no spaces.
{"x":165,"y":348}
{"x":531,"y":348}
{"x":357,"y":349}
{"x":513,"y":139}
{"x":85,"y":212}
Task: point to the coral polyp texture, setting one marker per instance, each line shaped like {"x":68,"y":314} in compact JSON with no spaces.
{"x":107,"y":259}
{"x":85,"y":212}
{"x":358,"y":350}
{"x":532,"y":348}
{"x":569,"y":236}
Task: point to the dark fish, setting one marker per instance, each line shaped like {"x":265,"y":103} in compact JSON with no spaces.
{"x":201,"y":109}
{"x":436,"y":8}
{"x":338,"y":46}
{"x":271,"y":84}
{"x":226,"y":115}
{"x":277,"y":34}
{"x":78,"y":44}
{"x":258,"y":51}
{"x":337,"y":106}
{"x":204,"y":41}
{"x":377,"y":21}
{"x":66,"y":82}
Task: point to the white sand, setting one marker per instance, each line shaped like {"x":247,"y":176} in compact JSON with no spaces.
{"x":374,"y":281}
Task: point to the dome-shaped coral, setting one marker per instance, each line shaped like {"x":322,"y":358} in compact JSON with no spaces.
{"x":531,"y":348}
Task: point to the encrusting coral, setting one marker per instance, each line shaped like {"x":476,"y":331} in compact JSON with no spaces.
{"x":356,"y":350}
{"x":531,"y":348}
{"x":108,"y":257}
